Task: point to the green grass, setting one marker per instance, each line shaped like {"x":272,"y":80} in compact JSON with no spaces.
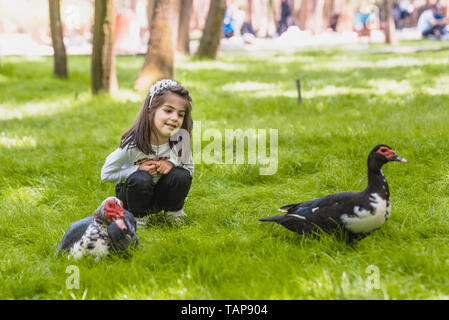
{"x":55,"y":136}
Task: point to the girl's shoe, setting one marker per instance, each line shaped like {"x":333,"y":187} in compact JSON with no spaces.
{"x":175,"y":216}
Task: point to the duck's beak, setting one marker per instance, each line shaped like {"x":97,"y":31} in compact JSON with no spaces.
{"x":120,"y":224}
{"x":398,"y":158}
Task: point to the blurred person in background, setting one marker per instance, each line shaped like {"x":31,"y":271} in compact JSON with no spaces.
{"x":432,"y":23}
{"x":286,"y":11}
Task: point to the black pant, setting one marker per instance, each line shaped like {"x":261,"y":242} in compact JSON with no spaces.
{"x":441,"y":29}
{"x":142,"y":196}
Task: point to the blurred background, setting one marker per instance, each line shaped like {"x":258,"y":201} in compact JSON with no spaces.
{"x":247,"y":24}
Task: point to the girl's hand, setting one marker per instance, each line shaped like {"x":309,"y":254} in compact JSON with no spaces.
{"x":150,"y":166}
{"x":164,"y":166}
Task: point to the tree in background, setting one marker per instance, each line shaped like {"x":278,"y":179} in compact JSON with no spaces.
{"x":199,"y":14}
{"x":59,"y":53}
{"x":303,"y":14}
{"x":316,"y":23}
{"x":210,"y":40}
{"x":150,"y":12}
{"x":160,"y":56}
{"x":345,"y":11}
{"x":271,"y":17}
{"x":311,"y":16}
{"x":328,"y":12}
{"x":184,"y":27}
{"x":103,"y":74}
{"x":389,"y":22}
{"x":249,"y":12}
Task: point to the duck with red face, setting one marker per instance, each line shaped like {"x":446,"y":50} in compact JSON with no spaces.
{"x":110,"y":227}
{"x":387,"y":154}
{"x":113,"y":209}
{"x":356,"y":213}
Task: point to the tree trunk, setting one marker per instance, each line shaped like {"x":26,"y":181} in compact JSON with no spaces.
{"x":328,"y":11}
{"x":311,"y":15}
{"x":315,"y":22}
{"x":266,"y":24}
{"x":271,"y":18}
{"x":389,"y":23}
{"x":150,"y":12}
{"x":249,"y":12}
{"x":345,"y":13}
{"x":210,"y":40}
{"x":60,"y":58}
{"x":199,"y":14}
{"x":447,"y":8}
{"x":303,"y":14}
{"x":184,"y":27}
{"x":160,"y":56}
{"x":103,"y":74}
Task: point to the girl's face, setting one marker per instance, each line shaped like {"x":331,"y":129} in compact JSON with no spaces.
{"x":169,"y":116}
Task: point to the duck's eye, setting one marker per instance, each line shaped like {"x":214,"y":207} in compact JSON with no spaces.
{"x":383,"y":150}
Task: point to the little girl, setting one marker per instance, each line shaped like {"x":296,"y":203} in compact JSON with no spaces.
{"x":153,"y":167}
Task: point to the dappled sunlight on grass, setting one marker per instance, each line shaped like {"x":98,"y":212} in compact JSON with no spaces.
{"x":27,"y":110}
{"x":24,"y":59}
{"x":351,"y":64}
{"x":14,"y":142}
{"x":331,"y":90}
{"x":124,"y":95}
{"x":289,"y":59}
{"x":208,"y":65}
{"x":382,"y":87}
{"x":248,"y":86}
{"x":277,"y":91}
{"x":379,"y":87}
{"x":438,"y":86}
{"x":10,"y":111}
{"x":435,"y":91}
{"x":31,"y":109}
{"x":28,"y":196}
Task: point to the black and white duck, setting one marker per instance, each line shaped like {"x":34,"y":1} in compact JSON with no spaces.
{"x":110,"y":227}
{"x":357,"y":213}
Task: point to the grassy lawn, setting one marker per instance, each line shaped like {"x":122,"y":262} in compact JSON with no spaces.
{"x":55,"y":136}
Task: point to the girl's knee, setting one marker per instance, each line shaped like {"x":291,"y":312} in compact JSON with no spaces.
{"x":140,"y":179}
{"x":180,"y":175}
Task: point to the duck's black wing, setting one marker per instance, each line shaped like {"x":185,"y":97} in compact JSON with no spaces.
{"x":321,"y":213}
{"x":321,"y":204}
{"x":74,"y":234}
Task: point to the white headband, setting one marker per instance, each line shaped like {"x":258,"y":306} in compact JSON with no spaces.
{"x":160,"y":85}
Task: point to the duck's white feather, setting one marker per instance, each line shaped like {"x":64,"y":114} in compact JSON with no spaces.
{"x":93,"y":242}
{"x":365,"y":221}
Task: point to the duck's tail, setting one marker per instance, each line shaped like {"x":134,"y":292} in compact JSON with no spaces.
{"x":273,"y":219}
{"x":292,"y":222}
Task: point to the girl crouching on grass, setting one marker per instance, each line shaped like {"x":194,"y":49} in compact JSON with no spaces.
{"x":153,"y":167}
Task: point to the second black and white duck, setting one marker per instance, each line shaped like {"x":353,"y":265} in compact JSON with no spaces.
{"x":110,"y":227}
{"x":357,"y":213}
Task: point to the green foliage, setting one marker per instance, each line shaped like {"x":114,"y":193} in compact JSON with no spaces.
{"x":55,"y":136}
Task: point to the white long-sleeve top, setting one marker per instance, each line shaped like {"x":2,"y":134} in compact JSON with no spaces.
{"x":122,"y":161}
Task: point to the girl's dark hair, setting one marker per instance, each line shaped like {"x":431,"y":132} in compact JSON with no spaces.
{"x":139,"y":134}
